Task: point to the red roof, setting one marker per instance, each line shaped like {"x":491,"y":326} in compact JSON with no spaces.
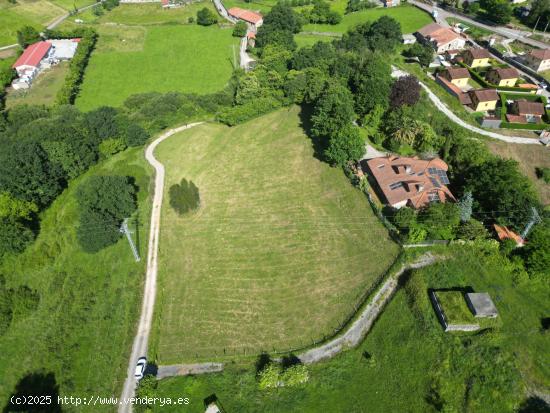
{"x":251,"y":35}
{"x":246,"y":15}
{"x":505,"y":233}
{"x":77,"y":39}
{"x":33,"y":55}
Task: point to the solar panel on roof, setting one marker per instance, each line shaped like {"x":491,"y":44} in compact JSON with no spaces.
{"x":432,"y":170}
{"x":435,"y":182}
{"x":445,"y":180}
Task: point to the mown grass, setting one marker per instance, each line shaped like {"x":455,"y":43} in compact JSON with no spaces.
{"x":410,"y":18}
{"x":279,"y":252}
{"x":43,"y":90}
{"x":263,"y":6}
{"x":89,"y":303}
{"x":303,"y":39}
{"x":146,"y":14}
{"x":36,"y":13}
{"x":131,"y":60}
{"x":407,"y":363}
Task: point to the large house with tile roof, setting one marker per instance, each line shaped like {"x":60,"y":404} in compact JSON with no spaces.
{"x":412,"y":182}
{"x":250,"y":17}
{"x":538,"y":59}
{"x":440,"y":38}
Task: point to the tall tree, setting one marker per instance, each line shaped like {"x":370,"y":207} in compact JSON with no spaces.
{"x":333,"y":110}
{"x":405,"y":91}
{"x":345,"y":146}
{"x":27,"y":35}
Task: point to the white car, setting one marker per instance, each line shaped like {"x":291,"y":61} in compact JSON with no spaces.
{"x":140,"y":368}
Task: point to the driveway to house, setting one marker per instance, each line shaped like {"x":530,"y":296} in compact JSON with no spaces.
{"x":139,"y":347}
{"x":362,"y":325}
{"x":397,"y":73}
{"x":443,"y":14}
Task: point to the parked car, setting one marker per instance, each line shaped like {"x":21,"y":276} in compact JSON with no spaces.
{"x":140,"y":368}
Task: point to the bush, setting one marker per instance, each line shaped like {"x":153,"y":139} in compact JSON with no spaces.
{"x":184,"y":197}
{"x":544,"y":174}
{"x":27,"y":35}
{"x":240,"y":29}
{"x":109,"y":147}
{"x":273,"y":376}
{"x":205,"y":17}
{"x":14,"y":237}
{"x":136,"y":135}
{"x":238,"y":114}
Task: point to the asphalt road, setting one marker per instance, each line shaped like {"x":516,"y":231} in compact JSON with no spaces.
{"x":139,"y":348}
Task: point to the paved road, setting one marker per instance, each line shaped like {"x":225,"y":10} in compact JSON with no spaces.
{"x":503,"y":31}
{"x":362,"y":325}
{"x":396,"y":73}
{"x":59,"y":20}
{"x":139,"y":347}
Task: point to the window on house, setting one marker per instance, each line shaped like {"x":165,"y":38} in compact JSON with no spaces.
{"x":396,"y":185}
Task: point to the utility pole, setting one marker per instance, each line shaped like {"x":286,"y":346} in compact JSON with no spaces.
{"x":535,"y":219}
{"x":124,"y":229}
{"x":536,"y":24}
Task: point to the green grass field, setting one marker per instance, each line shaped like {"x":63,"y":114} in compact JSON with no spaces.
{"x":279,"y":252}
{"x":263,"y":6}
{"x":43,"y":90}
{"x":84,"y":326}
{"x":36,"y":13}
{"x":414,"y":366}
{"x":410,"y":18}
{"x":303,"y":39}
{"x":145,"y":14}
{"x":131,"y":60}
{"x":454,"y":307}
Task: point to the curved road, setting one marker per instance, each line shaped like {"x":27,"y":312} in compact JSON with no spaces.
{"x":139,"y":348}
{"x":397,"y":73}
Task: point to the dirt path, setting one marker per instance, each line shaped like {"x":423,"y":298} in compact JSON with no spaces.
{"x":139,"y":348}
{"x":362,"y":325}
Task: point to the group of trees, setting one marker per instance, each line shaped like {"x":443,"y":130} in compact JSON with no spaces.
{"x":497,"y":11}
{"x":356,"y":5}
{"x":321,"y":13}
{"x":206,"y":17}
{"x":104,"y":201}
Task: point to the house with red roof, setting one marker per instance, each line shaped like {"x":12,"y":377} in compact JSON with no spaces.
{"x":250,"y":17}
{"x":412,"y":182}
{"x":32,"y":57}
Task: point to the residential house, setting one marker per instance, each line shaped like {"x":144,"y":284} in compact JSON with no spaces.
{"x":31,"y":58}
{"x":411,"y":182}
{"x":440,"y":38}
{"x":454,"y":90}
{"x":524,"y":111}
{"x":251,"y":39}
{"x":476,"y":57}
{"x":483,"y":99}
{"x":507,"y":76}
{"x":250,"y":17}
{"x":538,"y":59}
{"x":458,"y":76}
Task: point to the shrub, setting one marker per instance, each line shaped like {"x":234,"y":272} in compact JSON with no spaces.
{"x":109,"y":147}
{"x":27,"y":35}
{"x":136,"y":135}
{"x":240,"y":29}
{"x":544,"y":174}
{"x":205,"y":17}
{"x":14,"y":237}
{"x":238,"y":114}
{"x":184,"y":197}
{"x":273,"y":376}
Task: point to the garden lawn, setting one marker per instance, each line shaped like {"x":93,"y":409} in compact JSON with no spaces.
{"x":407,"y":363}
{"x":263,"y":6}
{"x":303,"y":39}
{"x":172,"y":58}
{"x":36,"y":13}
{"x":43,"y":90}
{"x":410,"y":18}
{"x":279,"y":252}
{"x":153,"y":13}
{"x":84,"y":326}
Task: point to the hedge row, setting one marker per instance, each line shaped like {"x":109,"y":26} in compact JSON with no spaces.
{"x":241,"y":113}
{"x":69,"y":91}
{"x":6,"y":76}
{"x":479,"y":79}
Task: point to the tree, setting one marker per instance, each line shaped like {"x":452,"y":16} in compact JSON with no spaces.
{"x":472,"y":230}
{"x":184,"y":197}
{"x":371,"y":82}
{"x":424,"y":53}
{"x":109,"y":147}
{"x":540,"y":11}
{"x":14,"y":236}
{"x":465,"y":205}
{"x":499,"y":11}
{"x":27,"y":174}
{"x":405,"y":91}
{"x":333,"y":110}
{"x":136,"y":135}
{"x":384,"y":34}
{"x":501,"y":193}
{"x":206,"y":17}
{"x":102,"y":124}
{"x":104,"y":201}
{"x":441,"y":220}
{"x":27,"y":35}
{"x":16,"y":209}
{"x":278,"y":27}
{"x":345,"y":146}
{"x":536,"y":251}
{"x":240,"y":29}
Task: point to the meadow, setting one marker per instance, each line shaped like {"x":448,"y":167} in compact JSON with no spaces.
{"x":80,"y":336}
{"x":279,"y":252}
{"x":410,"y":18}
{"x":36,"y":13}
{"x":407,"y":363}
{"x":135,"y":59}
{"x":43,"y":90}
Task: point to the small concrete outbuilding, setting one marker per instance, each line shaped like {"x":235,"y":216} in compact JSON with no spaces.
{"x":481,"y":305}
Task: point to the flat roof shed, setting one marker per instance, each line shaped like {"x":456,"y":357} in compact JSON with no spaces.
{"x":481,"y":305}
